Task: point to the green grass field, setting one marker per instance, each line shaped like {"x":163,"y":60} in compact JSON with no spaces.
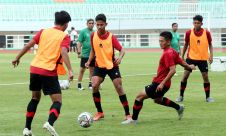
{"x":137,"y":69}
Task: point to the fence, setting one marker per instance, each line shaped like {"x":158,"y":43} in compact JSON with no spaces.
{"x":127,"y":40}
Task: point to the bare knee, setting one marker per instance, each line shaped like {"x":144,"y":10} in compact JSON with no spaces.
{"x":36,"y":95}
{"x":205,"y":77}
{"x":95,"y":86}
{"x":141,"y":96}
{"x":56,"y":98}
{"x":185,"y":77}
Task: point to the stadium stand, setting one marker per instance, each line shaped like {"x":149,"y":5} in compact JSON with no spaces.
{"x":124,"y":16}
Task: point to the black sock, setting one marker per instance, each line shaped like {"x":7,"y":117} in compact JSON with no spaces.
{"x":125,"y":104}
{"x":136,"y":109}
{"x":167,"y":102}
{"x":97,"y":101}
{"x":207,"y":89}
{"x":79,"y":85}
{"x":182,"y":88}
{"x":90,"y":84}
{"x":54,"y":112}
{"x":31,"y":109}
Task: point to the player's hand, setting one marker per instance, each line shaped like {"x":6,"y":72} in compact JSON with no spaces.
{"x":192,"y":67}
{"x":117,"y":61}
{"x":160,"y":87}
{"x":211,"y":59}
{"x":15,"y":62}
{"x":87,"y":64}
{"x":70,"y":75}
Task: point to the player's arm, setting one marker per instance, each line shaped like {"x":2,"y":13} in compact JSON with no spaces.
{"x":210,"y":46}
{"x":91,"y":57}
{"x":186,"y":66}
{"x":187,"y":38}
{"x":64,"y":54}
{"x":184,"y":50}
{"x":118,"y":47}
{"x":167,"y":78}
{"x":16,"y":61}
{"x":79,"y":47}
{"x":211,"y":53}
{"x":179,"y":46}
{"x":92,"y":53}
{"x":119,"y":59}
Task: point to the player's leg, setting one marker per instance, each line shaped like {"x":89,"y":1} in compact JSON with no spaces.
{"x":158,"y":97}
{"x":91,"y":70}
{"x":35,"y":86}
{"x":183,"y":84}
{"x":71,"y":46}
{"x":138,"y":104}
{"x":115,"y":76}
{"x":98,"y":77}
{"x":80,"y":76}
{"x":51,"y":87}
{"x":75,"y":47}
{"x":203,"y":67}
{"x":169,"y":103}
{"x":122,"y":96}
{"x":81,"y":73}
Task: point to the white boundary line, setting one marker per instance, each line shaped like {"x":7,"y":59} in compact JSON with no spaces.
{"x":23,"y":83}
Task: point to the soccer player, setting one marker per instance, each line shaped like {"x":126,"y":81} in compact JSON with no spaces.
{"x":176,"y":38}
{"x":85,"y":45}
{"x":197,"y":41}
{"x":161,"y":83}
{"x":103,"y":45}
{"x":53,"y":46}
{"x":73,"y":36}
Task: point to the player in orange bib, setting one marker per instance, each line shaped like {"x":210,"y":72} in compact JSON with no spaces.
{"x":53,"y":46}
{"x":103,"y":45}
{"x":198,"y":41}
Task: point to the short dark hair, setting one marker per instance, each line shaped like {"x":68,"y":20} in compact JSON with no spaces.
{"x":174,"y":24}
{"x":198,"y":17}
{"x":88,"y":20}
{"x":167,"y":35}
{"x":62,"y":17}
{"x":72,"y":28}
{"x":101,"y":17}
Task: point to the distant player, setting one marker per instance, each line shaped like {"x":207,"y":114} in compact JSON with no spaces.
{"x":84,"y":47}
{"x":176,"y":38}
{"x":53,"y":46}
{"x":197,"y":41}
{"x":103,"y":45}
{"x":73,"y":37}
{"x":161,"y":83}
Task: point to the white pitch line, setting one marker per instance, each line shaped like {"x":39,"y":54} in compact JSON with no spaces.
{"x":23,"y":83}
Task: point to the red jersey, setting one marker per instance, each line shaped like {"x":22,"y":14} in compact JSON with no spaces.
{"x":35,"y":70}
{"x":169,"y":58}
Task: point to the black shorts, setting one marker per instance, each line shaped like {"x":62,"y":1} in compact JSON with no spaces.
{"x":73,"y":44}
{"x":153,"y":93}
{"x":84,"y":60}
{"x":49,"y":84}
{"x":102,"y":72}
{"x":202,"y":64}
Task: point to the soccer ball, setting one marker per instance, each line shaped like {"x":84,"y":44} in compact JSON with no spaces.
{"x":85,"y":119}
{"x":64,"y":84}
